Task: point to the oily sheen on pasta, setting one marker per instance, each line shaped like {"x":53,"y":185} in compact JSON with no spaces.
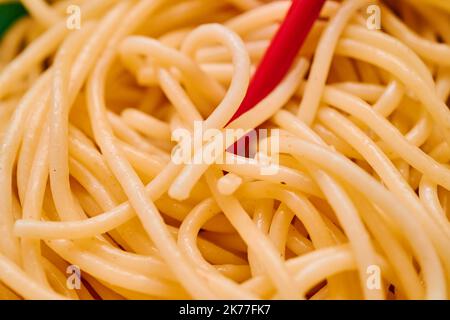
{"x":359,"y":204}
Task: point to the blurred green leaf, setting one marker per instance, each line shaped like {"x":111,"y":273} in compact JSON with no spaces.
{"x":10,"y":12}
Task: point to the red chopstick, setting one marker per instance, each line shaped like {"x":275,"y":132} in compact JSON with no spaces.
{"x":281,"y":53}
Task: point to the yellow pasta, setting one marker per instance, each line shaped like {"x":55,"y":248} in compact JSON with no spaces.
{"x":343,"y":194}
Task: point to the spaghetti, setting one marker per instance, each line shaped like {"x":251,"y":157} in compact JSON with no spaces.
{"x":93,"y":205}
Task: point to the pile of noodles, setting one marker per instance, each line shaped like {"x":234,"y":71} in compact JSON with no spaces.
{"x":359,"y":205}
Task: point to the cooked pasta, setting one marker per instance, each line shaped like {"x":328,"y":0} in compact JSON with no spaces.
{"x":347,"y":196}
